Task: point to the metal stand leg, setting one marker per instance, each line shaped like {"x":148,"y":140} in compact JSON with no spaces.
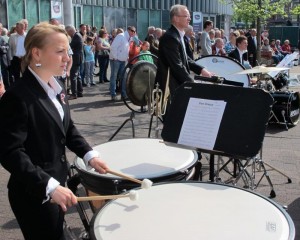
{"x":72,"y":183}
{"x":275,"y":169}
{"x":131,"y":118}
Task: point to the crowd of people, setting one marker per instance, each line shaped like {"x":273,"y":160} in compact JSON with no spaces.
{"x":212,"y":41}
{"x":90,"y":48}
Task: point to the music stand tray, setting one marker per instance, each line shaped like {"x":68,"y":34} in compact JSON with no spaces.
{"x":241,"y":128}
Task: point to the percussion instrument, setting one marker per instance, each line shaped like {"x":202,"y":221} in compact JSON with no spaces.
{"x":140,"y":82}
{"x":140,"y":158}
{"x":224,"y":67}
{"x":193,"y":210}
{"x":262,"y":69}
{"x":280,"y":81}
{"x":286,"y":107}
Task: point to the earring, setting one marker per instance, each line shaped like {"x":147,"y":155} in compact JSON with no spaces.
{"x":38,"y":65}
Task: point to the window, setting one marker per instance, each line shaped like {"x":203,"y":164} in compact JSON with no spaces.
{"x":98,"y":14}
{"x":45,"y":7}
{"x":155,"y":18}
{"x":143,"y":23}
{"x":32,"y":12}
{"x":16,"y":11}
{"x":87,"y":16}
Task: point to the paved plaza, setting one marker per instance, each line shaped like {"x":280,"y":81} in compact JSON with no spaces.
{"x":97,"y":118}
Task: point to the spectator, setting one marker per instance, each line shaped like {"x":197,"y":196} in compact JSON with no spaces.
{"x":266,"y":48}
{"x":275,"y":50}
{"x":252,"y":47}
{"x":205,"y":41}
{"x":2,"y":87}
{"x":89,"y":63}
{"x":212,"y":37}
{"x":231,"y":45}
{"x":286,"y":47}
{"x":218,"y":47}
{"x":4,"y":59}
{"x":189,"y":41}
{"x":103,"y":47}
{"x":76,"y":45}
{"x":145,"y":50}
{"x":119,"y":50}
{"x":16,"y":50}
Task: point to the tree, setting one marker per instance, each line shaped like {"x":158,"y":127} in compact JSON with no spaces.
{"x":258,"y":11}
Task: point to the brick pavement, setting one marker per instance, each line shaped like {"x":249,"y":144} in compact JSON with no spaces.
{"x":98,"y":118}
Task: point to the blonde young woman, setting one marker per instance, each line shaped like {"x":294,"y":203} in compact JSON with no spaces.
{"x":35,"y":129}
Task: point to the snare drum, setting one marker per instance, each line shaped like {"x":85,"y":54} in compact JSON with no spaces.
{"x":286,"y":104}
{"x":193,"y":210}
{"x":140,"y":158}
{"x":225,"y":67}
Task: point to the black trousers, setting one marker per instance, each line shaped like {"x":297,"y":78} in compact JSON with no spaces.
{"x":75,"y":79}
{"x":15,"y":68}
{"x":36,"y":220}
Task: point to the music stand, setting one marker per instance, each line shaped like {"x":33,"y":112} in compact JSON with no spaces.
{"x":241,"y":129}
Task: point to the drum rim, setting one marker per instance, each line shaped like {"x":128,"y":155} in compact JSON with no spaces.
{"x":110,"y":177}
{"x":292,"y":231}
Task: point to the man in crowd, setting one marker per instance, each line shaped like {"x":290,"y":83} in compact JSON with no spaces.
{"x":16,"y":50}
{"x":205,"y":40}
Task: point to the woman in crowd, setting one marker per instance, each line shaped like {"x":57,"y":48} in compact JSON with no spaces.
{"x":103,"y":46}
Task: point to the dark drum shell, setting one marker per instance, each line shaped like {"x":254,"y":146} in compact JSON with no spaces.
{"x":140,"y":82}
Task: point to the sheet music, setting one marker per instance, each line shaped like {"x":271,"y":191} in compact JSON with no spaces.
{"x":201,"y":123}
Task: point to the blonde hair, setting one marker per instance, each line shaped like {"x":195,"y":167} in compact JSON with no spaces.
{"x":37,"y":37}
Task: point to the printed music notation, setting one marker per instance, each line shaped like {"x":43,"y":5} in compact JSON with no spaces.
{"x":201,"y":123}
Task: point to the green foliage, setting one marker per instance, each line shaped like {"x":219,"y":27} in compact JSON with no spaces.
{"x":250,"y":10}
{"x":296,"y":10}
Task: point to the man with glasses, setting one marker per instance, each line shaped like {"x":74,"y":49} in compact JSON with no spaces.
{"x":172,"y":55}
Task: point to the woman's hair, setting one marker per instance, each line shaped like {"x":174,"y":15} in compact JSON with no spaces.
{"x":37,"y":37}
{"x":102,"y":32}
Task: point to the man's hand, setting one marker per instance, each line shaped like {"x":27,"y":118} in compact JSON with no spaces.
{"x":206,"y":73}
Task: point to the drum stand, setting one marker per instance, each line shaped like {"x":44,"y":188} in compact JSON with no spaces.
{"x":72,"y":183}
{"x":130,"y":119}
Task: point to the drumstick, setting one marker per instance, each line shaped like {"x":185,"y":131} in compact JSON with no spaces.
{"x":133,"y":195}
{"x":146,"y":183}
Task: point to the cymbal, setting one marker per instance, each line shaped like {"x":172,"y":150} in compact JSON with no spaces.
{"x":262,"y":69}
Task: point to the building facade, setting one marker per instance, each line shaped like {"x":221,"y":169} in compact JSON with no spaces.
{"x":111,"y":13}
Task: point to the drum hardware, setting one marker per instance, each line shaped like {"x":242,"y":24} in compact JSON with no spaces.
{"x":155,"y":109}
{"x":145,"y":184}
{"x":73,"y":182}
{"x":140,"y":78}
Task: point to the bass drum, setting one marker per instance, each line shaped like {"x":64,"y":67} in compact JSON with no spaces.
{"x":286,"y":104}
{"x":140,"y":82}
{"x":225,"y":67}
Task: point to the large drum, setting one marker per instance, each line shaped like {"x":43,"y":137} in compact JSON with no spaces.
{"x":140,"y":158}
{"x":193,"y":211}
{"x":286,"y":105}
{"x":225,"y":67}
